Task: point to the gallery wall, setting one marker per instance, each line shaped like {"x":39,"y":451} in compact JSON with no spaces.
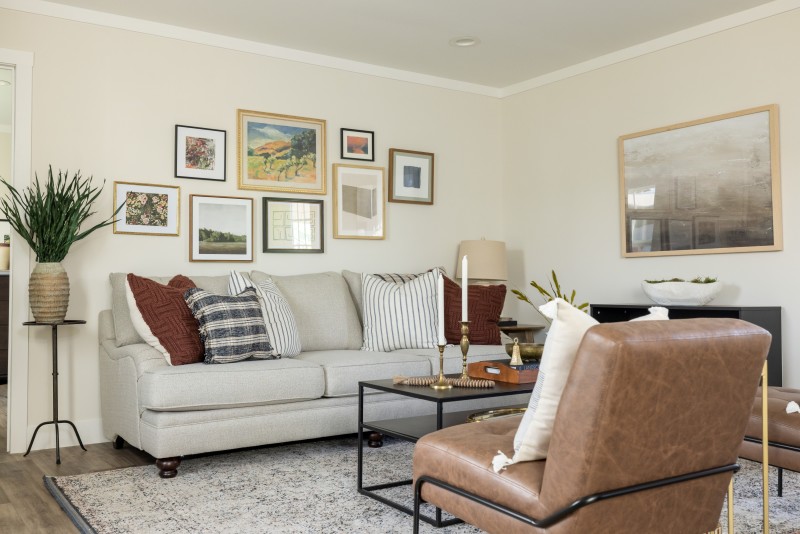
{"x":561,"y":204}
{"x":106,"y":101}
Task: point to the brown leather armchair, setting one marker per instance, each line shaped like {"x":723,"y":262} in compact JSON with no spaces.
{"x":645,"y":438}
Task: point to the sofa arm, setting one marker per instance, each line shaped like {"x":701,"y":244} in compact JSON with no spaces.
{"x":143,"y":356}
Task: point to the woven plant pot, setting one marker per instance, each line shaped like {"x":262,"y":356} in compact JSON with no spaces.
{"x":48,"y":292}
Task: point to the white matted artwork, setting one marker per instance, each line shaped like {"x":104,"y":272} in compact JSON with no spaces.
{"x":358,"y":205}
{"x":149,"y":209}
{"x":410,"y":176}
{"x":221,"y":228}
{"x":293,"y":225}
{"x":200,"y":153}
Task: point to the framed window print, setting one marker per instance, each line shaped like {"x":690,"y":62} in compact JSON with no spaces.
{"x":358,"y":206}
{"x":148,"y":209}
{"x":410,"y":176}
{"x":714,"y":182}
{"x":280,"y":153}
{"x":221,"y":228}
{"x":293,"y":225}
{"x":358,"y":144}
{"x":200,"y":153}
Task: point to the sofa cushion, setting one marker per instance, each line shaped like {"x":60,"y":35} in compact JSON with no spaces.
{"x":249,"y":383}
{"x":277,"y":315}
{"x":161,"y":317}
{"x":400,"y":316}
{"x":231,"y":327}
{"x":344,"y":369}
{"x":123,"y":327}
{"x":485,"y":305}
{"x":325,"y":314}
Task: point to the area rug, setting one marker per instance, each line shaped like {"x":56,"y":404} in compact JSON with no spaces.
{"x":304,"y":488}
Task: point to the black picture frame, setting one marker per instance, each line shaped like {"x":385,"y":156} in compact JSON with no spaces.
{"x":293,"y":225}
{"x":357,"y":144}
{"x":191,"y":157}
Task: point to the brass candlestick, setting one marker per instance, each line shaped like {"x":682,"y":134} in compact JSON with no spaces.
{"x":442,"y":382}
{"x":464,"y":348}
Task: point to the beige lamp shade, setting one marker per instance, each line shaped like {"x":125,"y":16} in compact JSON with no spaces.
{"x":487,"y":259}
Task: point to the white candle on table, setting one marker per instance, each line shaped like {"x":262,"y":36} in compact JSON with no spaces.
{"x":440,"y":304}
{"x":464,"y":288}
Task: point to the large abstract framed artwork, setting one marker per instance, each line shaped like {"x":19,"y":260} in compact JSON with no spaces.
{"x":293,"y":225}
{"x":280,"y":153}
{"x":708,"y":186}
{"x":221,"y":228}
{"x":358,"y":205}
{"x":410,"y":176}
{"x":150,"y":209}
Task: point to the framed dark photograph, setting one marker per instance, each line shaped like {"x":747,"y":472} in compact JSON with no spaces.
{"x":358,"y":144}
{"x":221,"y":228}
{"x":293,"y":225}
{"x":200,"y":153}
{"x":410,"y":176}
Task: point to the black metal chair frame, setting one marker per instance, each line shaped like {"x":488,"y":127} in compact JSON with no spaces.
{"x":779,"y":446}
{"x":565,"y":512}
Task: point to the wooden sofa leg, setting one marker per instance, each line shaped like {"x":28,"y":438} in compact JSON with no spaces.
{"x":168,"y":467}
{"x":117,"y":442}
{"x":375,"y":440}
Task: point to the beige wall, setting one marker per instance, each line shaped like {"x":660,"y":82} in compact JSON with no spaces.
{"x":561,"y":197}
{"x":106,"y":101}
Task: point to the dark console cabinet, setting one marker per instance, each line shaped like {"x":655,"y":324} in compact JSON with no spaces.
{"x":767,"y":317}
{"x":3,"y":328}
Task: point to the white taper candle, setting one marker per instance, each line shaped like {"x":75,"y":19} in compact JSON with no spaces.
{"x":440,"y":305}
{"x":464,"y":288}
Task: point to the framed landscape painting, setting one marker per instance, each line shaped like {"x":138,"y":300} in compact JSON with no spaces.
{"x":708,"y":186}
{"x":358,"y":205}
{"x":149,"y":209}
{"x":357,"y":144}
{"x":410,"y":176}
{"x":200,"y":153}
{"x":280,"y":153}
{"x":221,"y":228}
{"x":293,"y":225}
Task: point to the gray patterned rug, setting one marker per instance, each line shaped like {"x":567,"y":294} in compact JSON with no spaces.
{"x":305,"y":488}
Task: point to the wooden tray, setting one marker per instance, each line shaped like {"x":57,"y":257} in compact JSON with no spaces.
{"x":501,"y":372}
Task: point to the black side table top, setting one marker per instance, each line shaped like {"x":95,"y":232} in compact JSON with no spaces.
{"x":65,"y":322}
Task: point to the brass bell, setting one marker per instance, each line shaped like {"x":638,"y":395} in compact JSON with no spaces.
{"x":516,"y":358}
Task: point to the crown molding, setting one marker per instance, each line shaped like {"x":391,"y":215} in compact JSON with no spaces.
{"x":51,"y":9}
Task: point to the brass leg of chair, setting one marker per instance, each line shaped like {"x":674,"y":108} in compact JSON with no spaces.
{"x":730,"y":507}
{"x":765,"y":447}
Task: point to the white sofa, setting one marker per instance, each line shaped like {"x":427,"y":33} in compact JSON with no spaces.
{"x":170,"y":412}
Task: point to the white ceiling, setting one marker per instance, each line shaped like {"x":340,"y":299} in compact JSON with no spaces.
{"x":520,"y":39}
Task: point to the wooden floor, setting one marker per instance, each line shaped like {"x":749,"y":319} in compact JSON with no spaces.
{"x":25,"y":505}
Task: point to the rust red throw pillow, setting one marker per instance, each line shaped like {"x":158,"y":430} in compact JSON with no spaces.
{"x":160,"y":315}
{"x":485,"y":305}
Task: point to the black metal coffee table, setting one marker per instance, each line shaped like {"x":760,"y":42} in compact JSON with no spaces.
{"x":413,"y":428}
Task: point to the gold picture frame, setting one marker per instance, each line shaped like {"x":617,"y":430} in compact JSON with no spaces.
{"x":149,"y":209}
{"x":281,"y":153}
{"x":708,"y":186}
{"x":359,"y":206}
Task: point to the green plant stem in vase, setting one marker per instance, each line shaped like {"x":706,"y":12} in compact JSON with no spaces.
{"x":555,"y":292}
{"x":49,"y":218}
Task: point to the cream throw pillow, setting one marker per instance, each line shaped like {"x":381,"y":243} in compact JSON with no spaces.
{"x":561,"y":346}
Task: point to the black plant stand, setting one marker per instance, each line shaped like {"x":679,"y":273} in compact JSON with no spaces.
{"x":55,"y":420}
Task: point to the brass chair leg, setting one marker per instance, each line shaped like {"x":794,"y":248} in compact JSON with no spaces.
{"x":730,"y":507}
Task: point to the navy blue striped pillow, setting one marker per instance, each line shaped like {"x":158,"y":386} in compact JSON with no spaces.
{"x":231,"y":327}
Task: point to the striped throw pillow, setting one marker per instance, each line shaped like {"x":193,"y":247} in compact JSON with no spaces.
{"x":399,"y":316}
{"x":278,"y":317}
{"x":231,"y":328}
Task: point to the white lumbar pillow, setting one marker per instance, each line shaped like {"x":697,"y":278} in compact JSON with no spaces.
{"x":569,"y":324}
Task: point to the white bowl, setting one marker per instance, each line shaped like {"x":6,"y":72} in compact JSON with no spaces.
{"x":681,"y":293}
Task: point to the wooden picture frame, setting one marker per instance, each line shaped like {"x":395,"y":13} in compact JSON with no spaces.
{"x":708,"y":186}
{"x":150,"y":209}
{"x":220,"y":228}
{"x":359,"y":211}
{"x":357,"y":144}
{"x":200,"y":153}
{"x":280,"y":153}
{"x":411,"y":176}
{"x":293,"y":225}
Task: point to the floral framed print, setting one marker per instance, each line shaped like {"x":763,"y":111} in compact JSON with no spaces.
{"x":358,"y":144}
{"x":293,"y":225}
{"x":358,"y":206}
{"x":148,"y":209}
{"x":707,"y":186}
{"x":200,"y":153}
{"x":410,"y":176}
{"x":280,"y":153}
{"x":221,"y":228}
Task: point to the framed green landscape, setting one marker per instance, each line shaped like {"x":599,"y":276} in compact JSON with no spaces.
{"x":221,"y":228}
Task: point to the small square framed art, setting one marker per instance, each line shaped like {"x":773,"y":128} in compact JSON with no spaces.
{"x":149,"y":209}
{"x":200,"y":153}
{"x":358,"y":144}
{"x":293,"y":225}
{"x":221,"y":228}
{"x":410,"y":176}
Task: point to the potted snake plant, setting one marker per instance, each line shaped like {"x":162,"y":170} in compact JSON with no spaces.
{"x":49,"y":218}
